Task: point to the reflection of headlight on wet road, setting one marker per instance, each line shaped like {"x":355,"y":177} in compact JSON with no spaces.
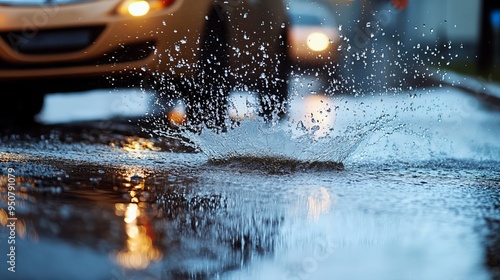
{"x":318,"y":41}
{"x":318,"y":203}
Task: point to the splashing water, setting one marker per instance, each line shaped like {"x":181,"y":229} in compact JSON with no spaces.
{"x":253,"y":139}
{"x":373,"y":70}
{"x":315,"y":131}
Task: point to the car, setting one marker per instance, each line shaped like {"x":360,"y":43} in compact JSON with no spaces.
{"x":314,"y":35}
{"x":198,"y":49}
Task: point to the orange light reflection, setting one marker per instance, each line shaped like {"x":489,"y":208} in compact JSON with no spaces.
{"x":22,"y":185}
{"x":136,"y":144}
{"x":139,"y":249}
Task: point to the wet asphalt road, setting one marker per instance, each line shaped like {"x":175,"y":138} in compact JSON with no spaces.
{"x":418,"y":196}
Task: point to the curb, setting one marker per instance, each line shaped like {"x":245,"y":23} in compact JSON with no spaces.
{"x":478,"y":87}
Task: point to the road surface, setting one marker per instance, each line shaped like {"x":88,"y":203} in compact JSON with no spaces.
{"x":99,"y":193}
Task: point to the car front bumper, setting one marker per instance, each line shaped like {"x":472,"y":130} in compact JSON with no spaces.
{"x":90,"y":39}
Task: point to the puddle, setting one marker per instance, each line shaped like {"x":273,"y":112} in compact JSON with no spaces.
{"x":274,"y":165}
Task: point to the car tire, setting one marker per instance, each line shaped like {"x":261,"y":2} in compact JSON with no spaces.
{"x":206,"y":104}
{"x":274,"y":90}
{"x":21,"y":108}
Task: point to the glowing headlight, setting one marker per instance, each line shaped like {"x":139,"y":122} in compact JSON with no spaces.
{"x":318,"y":41}
{"x":138,"y":8}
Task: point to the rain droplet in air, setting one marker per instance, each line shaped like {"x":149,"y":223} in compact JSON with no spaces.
{"x":301,"y":126}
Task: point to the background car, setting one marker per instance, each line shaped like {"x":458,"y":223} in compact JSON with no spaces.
{"x":198,"y":49}
{"x":314,"y":35}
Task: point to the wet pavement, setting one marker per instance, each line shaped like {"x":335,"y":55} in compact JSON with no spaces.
{"x":381,"y":186}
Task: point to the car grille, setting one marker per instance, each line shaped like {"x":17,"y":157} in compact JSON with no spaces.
{"x":52,"y":41}
{"x":123,"y":53}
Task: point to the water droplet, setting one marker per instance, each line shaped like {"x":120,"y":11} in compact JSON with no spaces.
{"x":301,"y":126}
{"x":245,"y":15}
{"x":315,"y":128}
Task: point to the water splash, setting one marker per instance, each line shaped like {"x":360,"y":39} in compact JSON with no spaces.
{"x":254,"y":139}
{"x":319,"y":133}
{"x":329,"y":134}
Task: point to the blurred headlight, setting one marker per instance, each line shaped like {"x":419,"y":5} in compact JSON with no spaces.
{"x":318,"y":41}
{"x":139,"y":8}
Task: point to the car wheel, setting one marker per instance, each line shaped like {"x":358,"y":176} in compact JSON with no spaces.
{"x":274,"y":91}
{"x":21,"y":109}
{"x":206,"y":103}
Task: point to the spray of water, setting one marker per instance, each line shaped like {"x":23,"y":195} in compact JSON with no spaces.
{"x":376,"y":63}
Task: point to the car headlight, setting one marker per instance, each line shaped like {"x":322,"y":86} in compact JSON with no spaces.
{"x":318,"y":41}
{"x":138,"y":8}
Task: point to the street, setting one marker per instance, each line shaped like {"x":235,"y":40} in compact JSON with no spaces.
{"x":345,"y":187}
{"x":270,"y":140}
